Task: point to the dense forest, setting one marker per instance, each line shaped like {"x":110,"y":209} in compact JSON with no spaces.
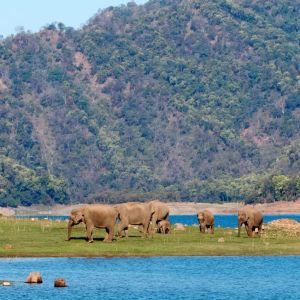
{"x":186,"y":100}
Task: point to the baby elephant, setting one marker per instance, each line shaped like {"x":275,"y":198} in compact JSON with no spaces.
{"x":206,"y":221}
{"x":164,"y":226}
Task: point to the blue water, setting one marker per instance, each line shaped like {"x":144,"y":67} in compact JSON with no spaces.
{"x":220,"y":220}
{"x":155,"y":278}
{"x":227,"y":220}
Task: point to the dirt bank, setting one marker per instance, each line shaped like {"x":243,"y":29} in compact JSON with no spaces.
{"x":177,"y":208}
{"x":276,"y":208}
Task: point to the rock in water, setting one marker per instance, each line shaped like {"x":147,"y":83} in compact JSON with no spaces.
{"x":6,"y":282}
{"x":34,"y":277}
{"x":60,"y":282}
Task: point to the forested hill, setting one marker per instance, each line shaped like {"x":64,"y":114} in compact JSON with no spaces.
{"x":192,"y":100}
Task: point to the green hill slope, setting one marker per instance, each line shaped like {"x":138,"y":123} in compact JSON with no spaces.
{"x":186,"y":100}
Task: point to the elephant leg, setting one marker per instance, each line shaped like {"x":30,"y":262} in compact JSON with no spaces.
{"x":70,"y":225}
{"x":207,"y":228}
{"x":147,"y":229}
{"x":121,"y":227}
{"x":109,"y":234}
{"x":90,"y":233}
{"x":250,"y":229}
{"x":120,"y":230}
{"x":239,"y":229}
{"x":154,"y":222}
{"x":247,"y":229}
{"x":260,"y":229}
{"x":86,"y":232}
{"x":126,"y":232}
{"x":106,"y":235}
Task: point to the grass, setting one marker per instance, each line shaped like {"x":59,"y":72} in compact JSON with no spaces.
{"x":45,"y":238}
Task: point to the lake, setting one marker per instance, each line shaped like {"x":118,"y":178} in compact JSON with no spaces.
{"x":229,"y":221}
{"x":155,"y":278}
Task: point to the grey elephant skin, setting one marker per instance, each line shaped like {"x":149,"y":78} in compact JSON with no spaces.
{"x":251,"y":218}
{"x":94,"y":215}
{"x":160,"y":210}
{"x":206,"y":221}
{"x":134,"y":213}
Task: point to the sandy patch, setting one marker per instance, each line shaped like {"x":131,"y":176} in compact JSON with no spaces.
{"x":8,"y":212}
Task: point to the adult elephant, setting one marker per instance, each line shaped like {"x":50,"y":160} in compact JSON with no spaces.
{"x":251,"y":218}
{"x":94,"y":215}
{"x":206,"y":221}
{"x":134,"y":213}
{"x":160,"y":210}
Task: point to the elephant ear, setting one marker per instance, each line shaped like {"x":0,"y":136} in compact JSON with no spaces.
{"x":80,"y":215}
{"x":243,"y":215}
{"x":247,"y":216}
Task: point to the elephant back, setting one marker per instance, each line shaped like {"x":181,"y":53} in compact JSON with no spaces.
{"x":134,"y":212}
{"x":100,"y":214}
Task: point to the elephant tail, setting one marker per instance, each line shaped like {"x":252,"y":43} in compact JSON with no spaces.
{"x":167,"y":216}
{"x":118,"y":212}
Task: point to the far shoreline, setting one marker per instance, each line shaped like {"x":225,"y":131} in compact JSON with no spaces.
{"x":108,"y":256}
{"x":176,"y":208}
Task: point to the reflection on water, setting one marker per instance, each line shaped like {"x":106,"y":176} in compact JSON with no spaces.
{"x":156,"y":278}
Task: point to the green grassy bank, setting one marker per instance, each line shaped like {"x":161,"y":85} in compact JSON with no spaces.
{"x":40,"y":238}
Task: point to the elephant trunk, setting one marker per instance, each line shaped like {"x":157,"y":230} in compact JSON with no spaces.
{"x":202,"y":227}
{"x":70,"y":225}
{"x":239,"y":227}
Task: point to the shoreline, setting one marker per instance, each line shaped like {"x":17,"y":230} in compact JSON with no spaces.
{"x":107,"y":256}
{"x":176,"y":208}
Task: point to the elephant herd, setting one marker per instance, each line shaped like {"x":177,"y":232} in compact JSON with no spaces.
{"x":131,"y":213}
{"x":150,"y":215}
{"x":248,"y":216}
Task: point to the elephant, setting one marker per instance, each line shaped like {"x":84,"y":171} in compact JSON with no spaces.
{"x":206,"y":221}
{"x":251,"y":218}
{"x":164,"y":226}
{"x":94,"y":215}
{"x":161,"y":212}
{"x":134,"y":213}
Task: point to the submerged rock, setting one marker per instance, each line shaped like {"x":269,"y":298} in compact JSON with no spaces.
{"x":34,"y":277}
{"x":60,"y":282}
{"x":6,"y":283}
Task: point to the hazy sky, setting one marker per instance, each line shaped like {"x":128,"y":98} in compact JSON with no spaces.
{"x":34,"y":14}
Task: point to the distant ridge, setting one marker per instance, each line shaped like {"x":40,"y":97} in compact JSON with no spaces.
{"x":181,"y":100}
